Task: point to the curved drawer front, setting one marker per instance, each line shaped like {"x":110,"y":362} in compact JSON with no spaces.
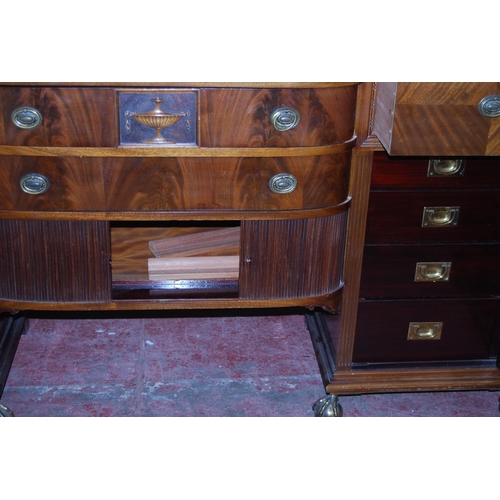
{"x":425,"y":330}
{"x":460,"y":216}
{"x":434,"y":173}
{"x":58,"y":117}
{"x":244,"y":117}
{"x":116,"y":184}
{"x":397,"y":271}
{"x":227,"y":183}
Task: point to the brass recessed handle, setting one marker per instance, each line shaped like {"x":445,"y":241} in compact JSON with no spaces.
{"x":26,"y":117}
{"x":285,"y":119}
{"x":489,"y":106}
{"x":432,"y":271}
{"x":283,"y":183}
{"x":34,"y":183}
{"x":446,"y":167}
{"x":425,"y":330}
{"x":440,"y":216}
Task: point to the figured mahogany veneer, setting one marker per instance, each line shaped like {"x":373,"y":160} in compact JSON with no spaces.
{"x":138,"y":184}
{"x":127,"y":192}
{"x":76,"y":117}
{"x":436,"y":119}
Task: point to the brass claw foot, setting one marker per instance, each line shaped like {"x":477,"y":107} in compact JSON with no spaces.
{"x":5,"y":412}
{"x":328,"y":406}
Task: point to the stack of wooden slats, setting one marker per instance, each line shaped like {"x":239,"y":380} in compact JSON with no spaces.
{"x":204,"y":255}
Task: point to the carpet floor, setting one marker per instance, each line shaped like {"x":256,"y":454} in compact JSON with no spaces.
{"x":199,"y":365}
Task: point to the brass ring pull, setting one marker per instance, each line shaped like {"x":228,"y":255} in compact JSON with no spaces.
{"x":283,"y":183}
{"x":34,"y":183}
{"x":425,"y":331}
{"x":446,"y":167}
{"x":440,"y":216}
{"x":432,"y":271}
{"x":26,"y":117}
{"x":489,"y":106}
{"x":285,"y":119}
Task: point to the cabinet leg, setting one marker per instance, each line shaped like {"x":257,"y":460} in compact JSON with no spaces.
{"x":5,"y":412}
{"x":11,"y":329}
{"x":328,"y":406}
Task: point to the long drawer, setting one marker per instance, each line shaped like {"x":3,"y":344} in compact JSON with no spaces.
{"x":403,"y":271}
{"x":173,"y":117}
{"x":426,"y":330}
{"x":433,"y":216}
{"x":115,"y":184}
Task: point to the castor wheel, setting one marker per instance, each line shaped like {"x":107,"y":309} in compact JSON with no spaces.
{"x":5,"y":412}
{"x":328,"y":406}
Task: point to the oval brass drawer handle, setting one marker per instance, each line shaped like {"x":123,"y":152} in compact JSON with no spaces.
{"x":34,"y":183}
{"x":440,"y":216}
{"x":432,"y":271}
{"x":489,"y":106}
{"x":26,"y":117}
{"x":283,"y":183}
{"x":425,"y":331}
{"x":285,"y":119}
{"x":446,"y":167}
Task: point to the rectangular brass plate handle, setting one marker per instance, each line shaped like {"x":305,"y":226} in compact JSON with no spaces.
{"x":440,"y":216}
{"x":446,"y":167}
{"x":432,"y":271}
{"x":425,"y":330}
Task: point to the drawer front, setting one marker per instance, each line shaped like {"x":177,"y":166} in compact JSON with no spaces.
{"x":434,"y":173}
{"x":116,"y":184}
{"x":440,"y":330}
{"x":438,"y":118}
{"x":398,"y":271}
{"x":69,"y":117}
{"x":398,"y":217}
{"x":69,"y":183}
{"x":244,"y":117}
{"x":227,"y":183}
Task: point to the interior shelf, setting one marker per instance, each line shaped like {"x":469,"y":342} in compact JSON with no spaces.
{"x":154,"y":260}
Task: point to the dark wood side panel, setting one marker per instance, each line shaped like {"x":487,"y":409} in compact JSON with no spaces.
{"x":77,"y":117}
{"x":241,"y":118}
{"x":291,"y":258}
{"x":54,"y":261}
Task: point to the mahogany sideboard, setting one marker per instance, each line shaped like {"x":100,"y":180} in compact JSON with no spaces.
{"x":392,"y":254}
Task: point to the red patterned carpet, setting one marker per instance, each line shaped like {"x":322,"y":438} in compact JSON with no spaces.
{"x":192,"y":365}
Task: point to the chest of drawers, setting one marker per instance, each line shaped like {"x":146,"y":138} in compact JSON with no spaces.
{"x":90,"y":174}
{"x":429,"y":288}
{"x":421,"y":303}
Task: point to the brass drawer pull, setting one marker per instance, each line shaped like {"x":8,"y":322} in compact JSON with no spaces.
{"x":425,"y":331}
{"x":26,"y":117}
{"x":446,"y":167}
{"x":440,"y":216}
{"x":282,"y":183}
{"x":285,"y":119}
{"x":34,"y":183}
{"x":432,"y":271}
{"x":489,"y":106}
